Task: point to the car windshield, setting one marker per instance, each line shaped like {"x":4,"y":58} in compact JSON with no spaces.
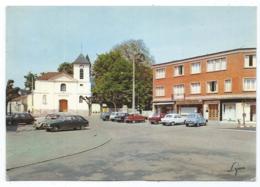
{"x":192,"y":116}
{"x":169,"y":116}
{"x":52,"y":116}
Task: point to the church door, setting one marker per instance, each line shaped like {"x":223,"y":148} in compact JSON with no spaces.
{"x":63,"y":105}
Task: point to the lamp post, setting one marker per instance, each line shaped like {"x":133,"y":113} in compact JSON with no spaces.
{"x":136,"y":57}
{"x":133,"y":91}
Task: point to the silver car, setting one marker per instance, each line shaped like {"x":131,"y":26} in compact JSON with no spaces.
{"x":42,"y":122}
{"x":195,"y":119}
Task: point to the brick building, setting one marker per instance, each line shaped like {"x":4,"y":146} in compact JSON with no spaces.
{"x":222,"y":85}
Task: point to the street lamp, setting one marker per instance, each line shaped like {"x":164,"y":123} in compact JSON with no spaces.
{"x":137,"y":57}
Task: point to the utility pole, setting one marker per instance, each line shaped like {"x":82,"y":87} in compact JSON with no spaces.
{"x":136,"y":57}
{"x":133,"y":91}
{"x":32,"y":92}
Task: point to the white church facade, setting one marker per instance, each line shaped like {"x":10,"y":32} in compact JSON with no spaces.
{"x":60,"y":92}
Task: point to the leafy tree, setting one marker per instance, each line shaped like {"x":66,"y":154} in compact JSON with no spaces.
{"x":30,"y":81}
{"x":11,"y":92}
{"x":66,"y":67}
{"x":112,"y":74}
{"x":130,"y":48}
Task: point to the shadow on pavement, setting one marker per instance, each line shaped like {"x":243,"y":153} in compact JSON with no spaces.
{"x":12,"y":128}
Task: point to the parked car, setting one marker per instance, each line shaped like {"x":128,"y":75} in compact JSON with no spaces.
{"x":42,"y":122}
{"x":134,"y":118}
{"x":156,"y":118}
{"x":121,"y":117}
{"x":195,"y":119}
{"x":172,"y":119}
{"x":67,"y":122}
{"x":105,"y":116}
{"x":113,"y":115}
{"x":18,"y":118}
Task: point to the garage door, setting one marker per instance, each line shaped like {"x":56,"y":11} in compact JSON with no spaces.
{"x":187,"y":110}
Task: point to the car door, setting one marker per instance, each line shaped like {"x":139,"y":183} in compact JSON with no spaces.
{"x":66,"y":124}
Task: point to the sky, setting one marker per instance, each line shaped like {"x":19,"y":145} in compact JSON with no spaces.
{"x":38,"y":39}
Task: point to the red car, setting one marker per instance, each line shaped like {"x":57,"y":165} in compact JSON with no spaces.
{"x":134,"y":118}
{"x":156,"y":118}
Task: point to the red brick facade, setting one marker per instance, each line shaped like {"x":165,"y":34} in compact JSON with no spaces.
{"x":234,"y":70}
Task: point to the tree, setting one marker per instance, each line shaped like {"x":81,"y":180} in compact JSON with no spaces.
{"x":11,"y":92}
{"x":130,"y":48}
{"x":30,"y":81}
{"x":66,"y":67}
{"x":112,"y":74}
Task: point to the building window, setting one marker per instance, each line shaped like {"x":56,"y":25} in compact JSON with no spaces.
{"x":195,"y":68}
{"x":44,"y":99}
{"x":80,"y":99}
{"x":178,"y":70}
{"x":249,"y":84}
{"x":217,"y":64}
{"x":159,"y":91}
{"x":228,"y":85}
{"x":195,"y":88}
{"x":160,"y":73}
{"x":81,"y":74}
{"x":63,"y":87}
{"x":178,"y":91}
{"x":212,"y":86}
{"x":250,"y":61}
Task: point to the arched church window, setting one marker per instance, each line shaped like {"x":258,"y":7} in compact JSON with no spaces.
{"x":63,"y":87}
{"x":44,"y":99}
{"x":81,"y":74}
{"x":80,"y":99}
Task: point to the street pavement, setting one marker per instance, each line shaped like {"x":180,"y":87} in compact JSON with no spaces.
{"x":138,"y":152}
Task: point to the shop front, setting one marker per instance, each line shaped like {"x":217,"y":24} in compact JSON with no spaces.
{"x":189,"y":106}
{"x":163,"y":107}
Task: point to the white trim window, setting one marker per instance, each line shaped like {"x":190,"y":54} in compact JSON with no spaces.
{"x":179,"y":70}
{"x":195,"y":68}
{"x":178,"y":91}
{"x":44,"y":100}
{"x":228,"y":85}
{"x":249,"y":84}
{"x":160,"y":73}
{"x":63,"y":87}
{"x":80,"y":99}
{"x":212,"y":87}
{"x":216,"y":64}
{"x":159,"y":91}
{"x":195,"y":88}
{"x":250,"y":61}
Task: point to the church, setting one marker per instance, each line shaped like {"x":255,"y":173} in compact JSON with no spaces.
{"x":60,"y":92}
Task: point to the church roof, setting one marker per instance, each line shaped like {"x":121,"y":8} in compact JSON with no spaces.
{"x":48,"y":75}
{"x":82,"y":60}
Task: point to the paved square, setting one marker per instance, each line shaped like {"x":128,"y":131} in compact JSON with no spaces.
{"x":140,"y":152}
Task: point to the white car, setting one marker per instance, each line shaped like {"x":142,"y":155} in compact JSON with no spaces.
{"x":113,"y":115}
{"x":172,"y":119}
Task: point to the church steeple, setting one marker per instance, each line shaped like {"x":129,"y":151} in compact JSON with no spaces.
{"x":81,"y":68}
{"x":82,"y":60}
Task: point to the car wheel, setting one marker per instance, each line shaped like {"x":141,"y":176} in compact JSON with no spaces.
{"x":55,"y":128}
{"x":172,"y":123}
{"x":197,"y":124}
{"x":187,"y":124}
